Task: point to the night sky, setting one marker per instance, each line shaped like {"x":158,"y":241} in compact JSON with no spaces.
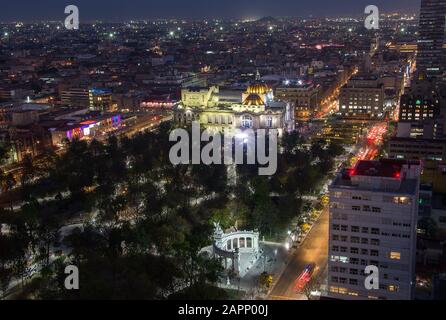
{"x":116,"y":10}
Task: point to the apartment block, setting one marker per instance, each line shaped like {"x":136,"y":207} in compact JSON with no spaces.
{"x":373,"y":220}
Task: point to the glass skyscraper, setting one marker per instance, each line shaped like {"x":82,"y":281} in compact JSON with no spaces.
{"x":431,"y":37}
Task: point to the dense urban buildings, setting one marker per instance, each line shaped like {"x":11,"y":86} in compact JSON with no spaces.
{"x":102,"y":168}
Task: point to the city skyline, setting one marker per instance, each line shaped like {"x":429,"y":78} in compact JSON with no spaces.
{"x":223,"y":150}
{"x":115,"y":11}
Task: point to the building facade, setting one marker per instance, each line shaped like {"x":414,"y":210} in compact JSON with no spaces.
{"x":255,"y":108}
{"x":373,"y":221}
{"x":75,"y":97}
{"x":87,"y":129}
{"x":304,"y":97}
{"x":431,"y":37}
{"x":362,"y":98}
{"x":100,"y":100}
{"x":417,"y":149}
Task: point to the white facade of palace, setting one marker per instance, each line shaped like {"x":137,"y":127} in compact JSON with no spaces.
{"x":228,"y":110}
{"x":238,"y":250}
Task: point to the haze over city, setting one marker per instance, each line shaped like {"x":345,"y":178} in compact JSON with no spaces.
{"x":117,"y":10}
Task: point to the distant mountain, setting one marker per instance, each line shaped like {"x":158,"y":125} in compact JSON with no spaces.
{"x":268,"y":20}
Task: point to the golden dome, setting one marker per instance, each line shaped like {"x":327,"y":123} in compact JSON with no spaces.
{"x":258,"y":88}
{"x":253,"y":100}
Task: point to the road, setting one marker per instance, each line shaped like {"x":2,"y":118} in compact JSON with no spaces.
{"x":313,"y":250}
{"x":374,"y":141}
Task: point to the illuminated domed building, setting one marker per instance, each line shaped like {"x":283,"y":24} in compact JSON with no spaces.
{"x":257,"y":94}
{"x":230,"y":109}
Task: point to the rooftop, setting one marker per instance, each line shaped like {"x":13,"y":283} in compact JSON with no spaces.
{"x":364,"y":77}
{"x":394,"y":180}
{"x":385,"y":168}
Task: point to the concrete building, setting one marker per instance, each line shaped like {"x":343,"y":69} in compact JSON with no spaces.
{"x":433,"y":195}
{"x":417,"y":149}
{"x":343,"y":131}
{"x":362,"y":98}
{"x":100,"y":100}
{"x":75,"y":97}
{"x":21,"y":118}
{"x":373,"y":220}
{"x":304,"y":96}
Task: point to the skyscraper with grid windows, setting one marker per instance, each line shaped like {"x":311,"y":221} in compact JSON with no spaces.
{"x":432,"y":37}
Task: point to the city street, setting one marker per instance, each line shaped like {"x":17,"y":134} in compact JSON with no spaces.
{"x":374,"y":141}
{"x":313,"y":250}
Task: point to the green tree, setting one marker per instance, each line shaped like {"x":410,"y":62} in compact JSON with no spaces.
{"x":265,"y":281}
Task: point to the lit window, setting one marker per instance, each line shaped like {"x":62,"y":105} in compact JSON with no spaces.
{"x":402,"y":200}
{"x":269,"y":122}
{"x":247,"y":122}
{"x":339,"y":259}
{"x":392,"y":288}
{"x":343,"y":291}
{"x":337,"y":195}
{"x":395,"y":255}
{"x":334,"y":289}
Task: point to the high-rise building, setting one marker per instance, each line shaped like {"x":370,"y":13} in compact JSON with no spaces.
{"x":422,"y":122}
{"x":419,"y":104}
{"x":373,"y":222}
{"x":431,"y":37}
{"x":420,"y":108}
